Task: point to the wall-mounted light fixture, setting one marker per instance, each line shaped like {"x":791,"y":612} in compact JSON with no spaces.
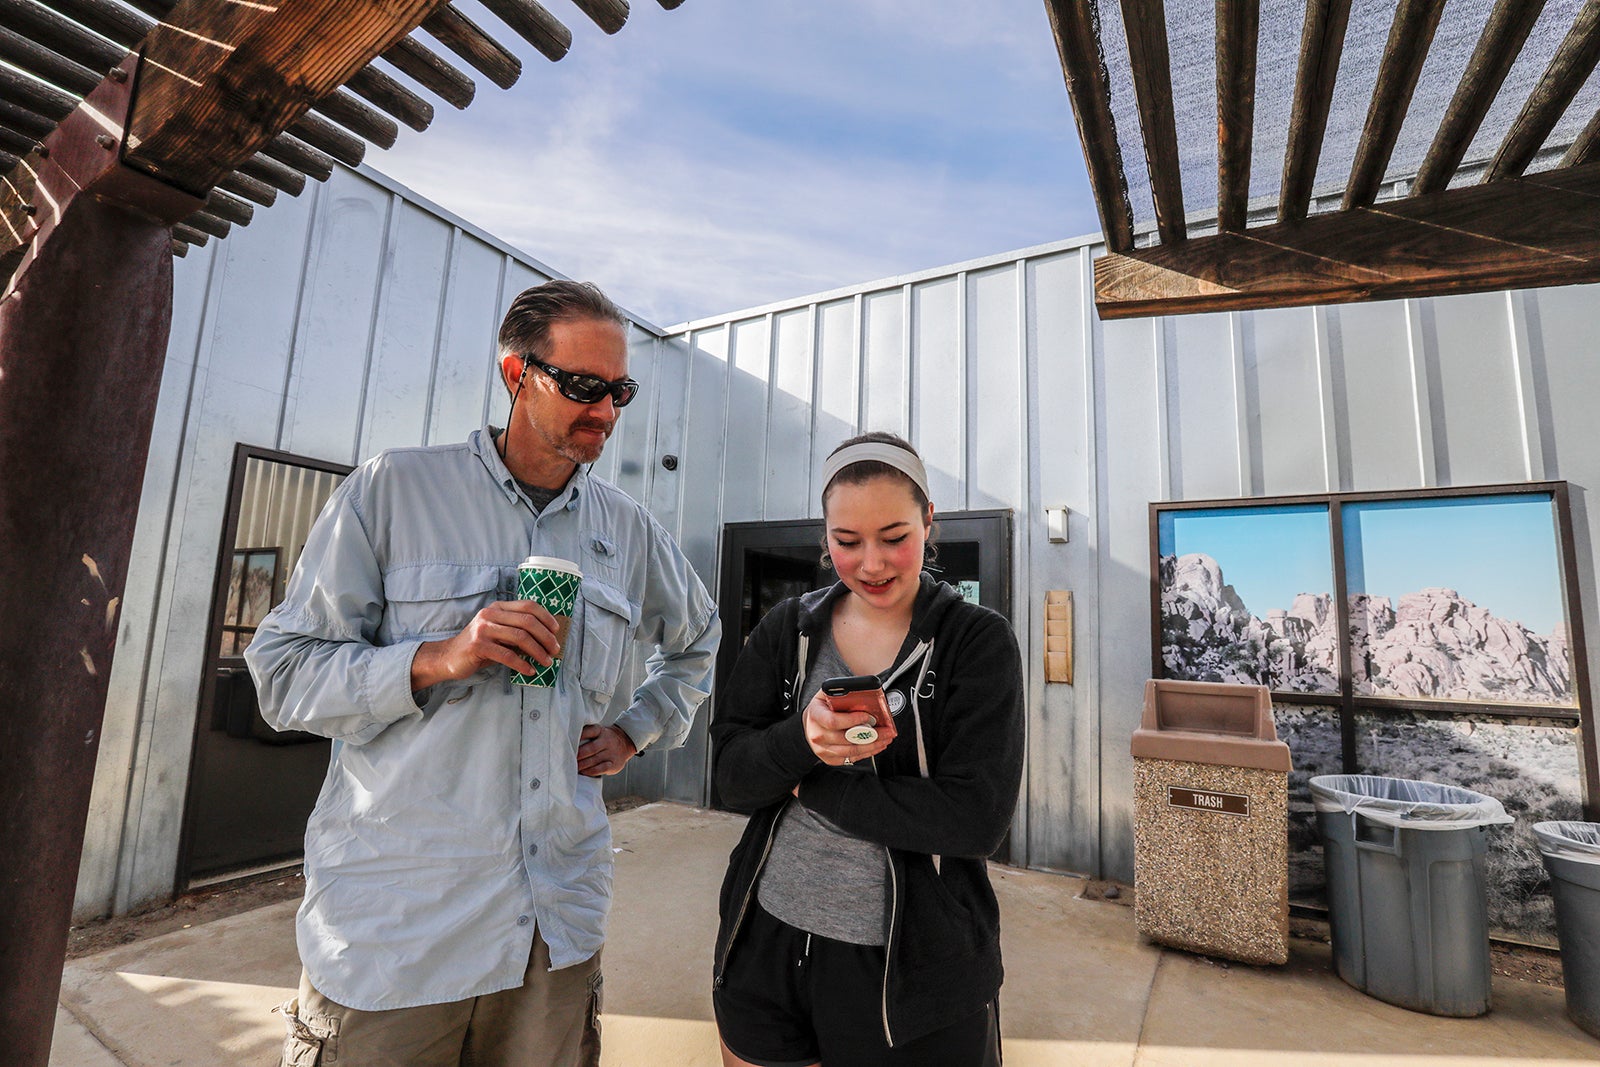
{"x":1056,"y":519}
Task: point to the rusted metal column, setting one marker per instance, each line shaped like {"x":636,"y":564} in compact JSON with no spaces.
{"x":83,"y":335}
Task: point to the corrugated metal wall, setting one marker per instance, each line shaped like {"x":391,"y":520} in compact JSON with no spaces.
{"x":1019,"y":397}
{"x":358,"y":317}
{"x":353,"y":318}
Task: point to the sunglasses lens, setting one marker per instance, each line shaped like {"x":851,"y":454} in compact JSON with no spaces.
{"x":623,"y":392}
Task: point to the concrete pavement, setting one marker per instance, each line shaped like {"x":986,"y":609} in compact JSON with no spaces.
{"x":1081,"y":987}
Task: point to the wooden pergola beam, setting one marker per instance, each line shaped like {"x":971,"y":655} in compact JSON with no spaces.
{"x":609,"y":15}
{"x":1410,"y":35}
{"x":1571,"y":66}
{"x":1075,"y":25}
{"x":1501,"y":42}
{"x":1145,"y":23}
{"x":1238,"y":29}
{"x":533,"y":24}
{"x":188,"y":125}
{"x":1321,"y":45}
{"x":1520,"y":233}
{"x":466,"y":39}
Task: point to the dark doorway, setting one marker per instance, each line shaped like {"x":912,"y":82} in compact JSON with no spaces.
{"x":251,"y":787}
{"x":764,"y":563}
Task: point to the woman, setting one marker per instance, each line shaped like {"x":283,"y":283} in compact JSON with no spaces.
{"x":858,"y":923}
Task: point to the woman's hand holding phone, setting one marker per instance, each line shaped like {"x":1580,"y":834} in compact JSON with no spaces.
{"x":830,"y":718}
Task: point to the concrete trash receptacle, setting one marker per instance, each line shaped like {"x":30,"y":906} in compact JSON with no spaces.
{"x":1571,"y":852}
{"x":1211,"y":811}
{"x":1406,"y":889}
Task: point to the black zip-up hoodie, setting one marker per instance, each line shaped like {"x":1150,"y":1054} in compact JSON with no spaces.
{"x":939,"y":808}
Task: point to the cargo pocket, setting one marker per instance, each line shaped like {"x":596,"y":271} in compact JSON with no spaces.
{"x":609,"y":620}
{"x":309,"y":1040}
{"x":435,"y":600}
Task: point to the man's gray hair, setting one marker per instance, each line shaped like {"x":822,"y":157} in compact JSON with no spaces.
{"x":526,"y":327}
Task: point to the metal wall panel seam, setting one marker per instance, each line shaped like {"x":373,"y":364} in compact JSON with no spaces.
{"x":498,"y":313}
{"x":1093,"y":384}
{"x":1422,"y":401}
{"x":452,"y":258}
{"x":1158,"y":347}
{"x":1022,"y":601}
{"x":968,"y":399}
{"x":1529,"y":422}
{"x":291,"y":364}
{"x":772,"y":388}
{"x":128,"y":866}
{"x":1241,"y":407}
{"x":858,"y":354}
{"x":1331,"y":465}
{"x":380,"y":307}
{"x":133,"y":798}
{"x":816,"y":405}
{"x":908,"y":348}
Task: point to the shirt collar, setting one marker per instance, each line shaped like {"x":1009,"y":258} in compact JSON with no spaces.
{"x":482,"y":444}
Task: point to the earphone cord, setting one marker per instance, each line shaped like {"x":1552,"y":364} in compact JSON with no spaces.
{"x":500,"y":446}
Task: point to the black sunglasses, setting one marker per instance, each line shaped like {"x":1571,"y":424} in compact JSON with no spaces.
{"x":586,"y":388}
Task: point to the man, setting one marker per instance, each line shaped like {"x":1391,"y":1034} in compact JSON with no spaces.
{"x":458,"y":862}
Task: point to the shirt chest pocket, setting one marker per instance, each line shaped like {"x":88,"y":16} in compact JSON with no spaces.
{"x":434,"y":600}
{"x":606,"y":624}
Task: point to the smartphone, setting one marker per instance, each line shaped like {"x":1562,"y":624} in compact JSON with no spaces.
{"x":861,"y":692}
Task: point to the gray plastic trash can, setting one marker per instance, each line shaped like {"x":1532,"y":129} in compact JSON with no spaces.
{"x":1406,"y":891}
{"x":1571,"y":852}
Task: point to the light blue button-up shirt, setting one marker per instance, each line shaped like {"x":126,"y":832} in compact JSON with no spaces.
{"x":453,"y":821}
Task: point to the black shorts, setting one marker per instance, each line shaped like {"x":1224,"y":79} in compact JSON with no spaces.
{"x":790,"y":999}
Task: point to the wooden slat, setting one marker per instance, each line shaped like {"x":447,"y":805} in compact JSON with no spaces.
{"x":16,"y":143}
{"x":1501,"y":42}
{"x":45,"y":65}
{"x":263,"y":168}
{"x":609,"y":15}
{"x":190,"y":235}
{"x":1586,"y":149}
{"x":324,"y":136}
{"x":249,"y":188}
{"x":466,"y":39}
{"x":395,"y":99}
{"x":1574,"y":61}
{"x":1518,"y":233}
{"x":670,"y":5}
{"x":110,"y":20}
{"x":25,"y":122}
{"x":8,"y":162}
{"x":60,"y":34}
{"x":1238,"y":26}
{"x":1410,"y":35}
{"x":190,"y":126}
{"x":416,"y":60}
{"x":179,"y":249}
{"x":229,"y":208}
{"x":207,"y":223}
{"x":1321,"y":45}
{"x":533,"y":24}
{"x":1075,"y":26}
{"x":34,"y":96}
{"x":361,"y":119}
{"x":1146,"y":24}
{"x":296,"y":155}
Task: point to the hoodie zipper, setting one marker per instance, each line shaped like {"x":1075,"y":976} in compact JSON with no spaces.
{"x":888,"y":945}
{"x":744,"y":905}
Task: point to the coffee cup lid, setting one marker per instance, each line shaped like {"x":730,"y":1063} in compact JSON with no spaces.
{"x":552,"y":563}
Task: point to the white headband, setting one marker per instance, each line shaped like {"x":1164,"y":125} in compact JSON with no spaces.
{"x":877,"y":452}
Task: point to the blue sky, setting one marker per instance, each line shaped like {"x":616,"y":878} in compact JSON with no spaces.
{"x":1498,"y":552}
{"x":736,"y":152}
{"x":1268,"y":554}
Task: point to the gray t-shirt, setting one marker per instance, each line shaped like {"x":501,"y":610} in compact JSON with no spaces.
{"x":538,"y":496}
{"x":819,"y":878}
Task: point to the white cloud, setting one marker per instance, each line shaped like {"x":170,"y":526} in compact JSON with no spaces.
{"x":614,"y":165}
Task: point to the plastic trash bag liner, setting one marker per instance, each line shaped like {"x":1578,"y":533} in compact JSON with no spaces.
{"x":1406,"y":804}
{"x":1571,"y":840}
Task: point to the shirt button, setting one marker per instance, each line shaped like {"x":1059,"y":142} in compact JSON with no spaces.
{"x":534,"y":784}
{"x":533,"y":850}
{"x":533,"y":716}
{"x":522,"y":920}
